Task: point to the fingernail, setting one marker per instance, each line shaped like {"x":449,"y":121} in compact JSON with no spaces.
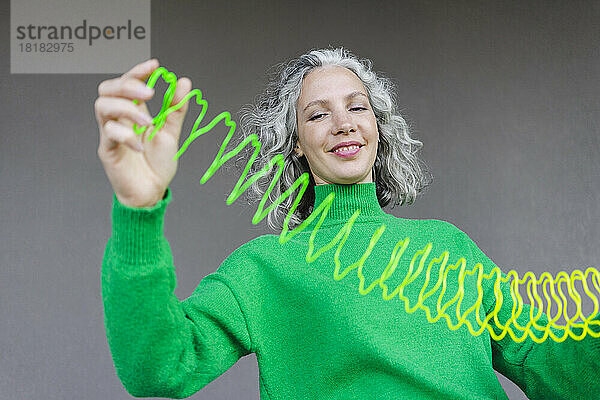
{"x":147,"y":120}
{"x":146,"y":90}
{"x":139,"y":147}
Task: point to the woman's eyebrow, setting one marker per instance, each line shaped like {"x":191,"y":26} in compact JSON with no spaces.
{"x":321,"y":101}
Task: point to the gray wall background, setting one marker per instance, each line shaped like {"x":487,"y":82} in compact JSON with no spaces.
{"x":504,"y":97}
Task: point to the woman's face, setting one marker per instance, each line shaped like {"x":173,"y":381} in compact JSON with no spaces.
{"x":333,"y":109}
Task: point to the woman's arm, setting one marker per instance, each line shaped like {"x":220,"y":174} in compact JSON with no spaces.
{"x":162,"y":347}
{"x":547,"y":370}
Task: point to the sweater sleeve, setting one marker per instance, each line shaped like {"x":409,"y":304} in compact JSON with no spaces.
{"x":547,"y":370}
{"x":160,"y":346}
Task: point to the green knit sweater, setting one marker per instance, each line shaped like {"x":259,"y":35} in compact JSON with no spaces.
{"x":317,"y":332}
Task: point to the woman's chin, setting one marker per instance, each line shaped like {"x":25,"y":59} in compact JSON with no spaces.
{"x":346,"y":179}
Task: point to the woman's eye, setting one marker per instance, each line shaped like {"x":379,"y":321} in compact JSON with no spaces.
{"x":319,"y":115}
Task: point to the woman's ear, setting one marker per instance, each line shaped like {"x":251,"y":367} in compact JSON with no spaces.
{"x":297,"y":150}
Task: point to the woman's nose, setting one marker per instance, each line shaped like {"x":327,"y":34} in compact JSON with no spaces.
{"x":343,"y":122}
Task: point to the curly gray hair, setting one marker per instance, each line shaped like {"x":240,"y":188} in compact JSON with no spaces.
{"x":398,"y":175}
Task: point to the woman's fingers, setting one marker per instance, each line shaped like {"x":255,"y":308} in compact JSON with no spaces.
{"x":143,"y":69}
{"x":184,"y":86}
{"x":114,"y":103}
{"x":116,"y":134}
{"x":174,"y":120}
{"x":108,"y":108}
{"x":129,"y":88}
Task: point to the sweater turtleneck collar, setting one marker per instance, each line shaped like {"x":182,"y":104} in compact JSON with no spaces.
{"x":347,"y":199}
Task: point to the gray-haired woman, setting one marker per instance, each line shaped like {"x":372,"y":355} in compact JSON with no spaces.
{"x":355,"y":303}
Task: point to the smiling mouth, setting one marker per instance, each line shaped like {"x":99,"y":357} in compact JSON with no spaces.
{"x":348,"y":152}
{"x":345,"y":149}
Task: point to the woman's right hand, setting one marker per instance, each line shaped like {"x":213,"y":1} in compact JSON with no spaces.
{"x":138,"y":178}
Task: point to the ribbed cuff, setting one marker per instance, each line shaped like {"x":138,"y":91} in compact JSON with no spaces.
{"x":137,"y":233}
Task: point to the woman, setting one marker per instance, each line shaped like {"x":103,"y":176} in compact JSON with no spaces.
{"x":328,"y":313}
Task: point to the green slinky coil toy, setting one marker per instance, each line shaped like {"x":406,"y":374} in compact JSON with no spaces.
{"x":553,"y":293}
